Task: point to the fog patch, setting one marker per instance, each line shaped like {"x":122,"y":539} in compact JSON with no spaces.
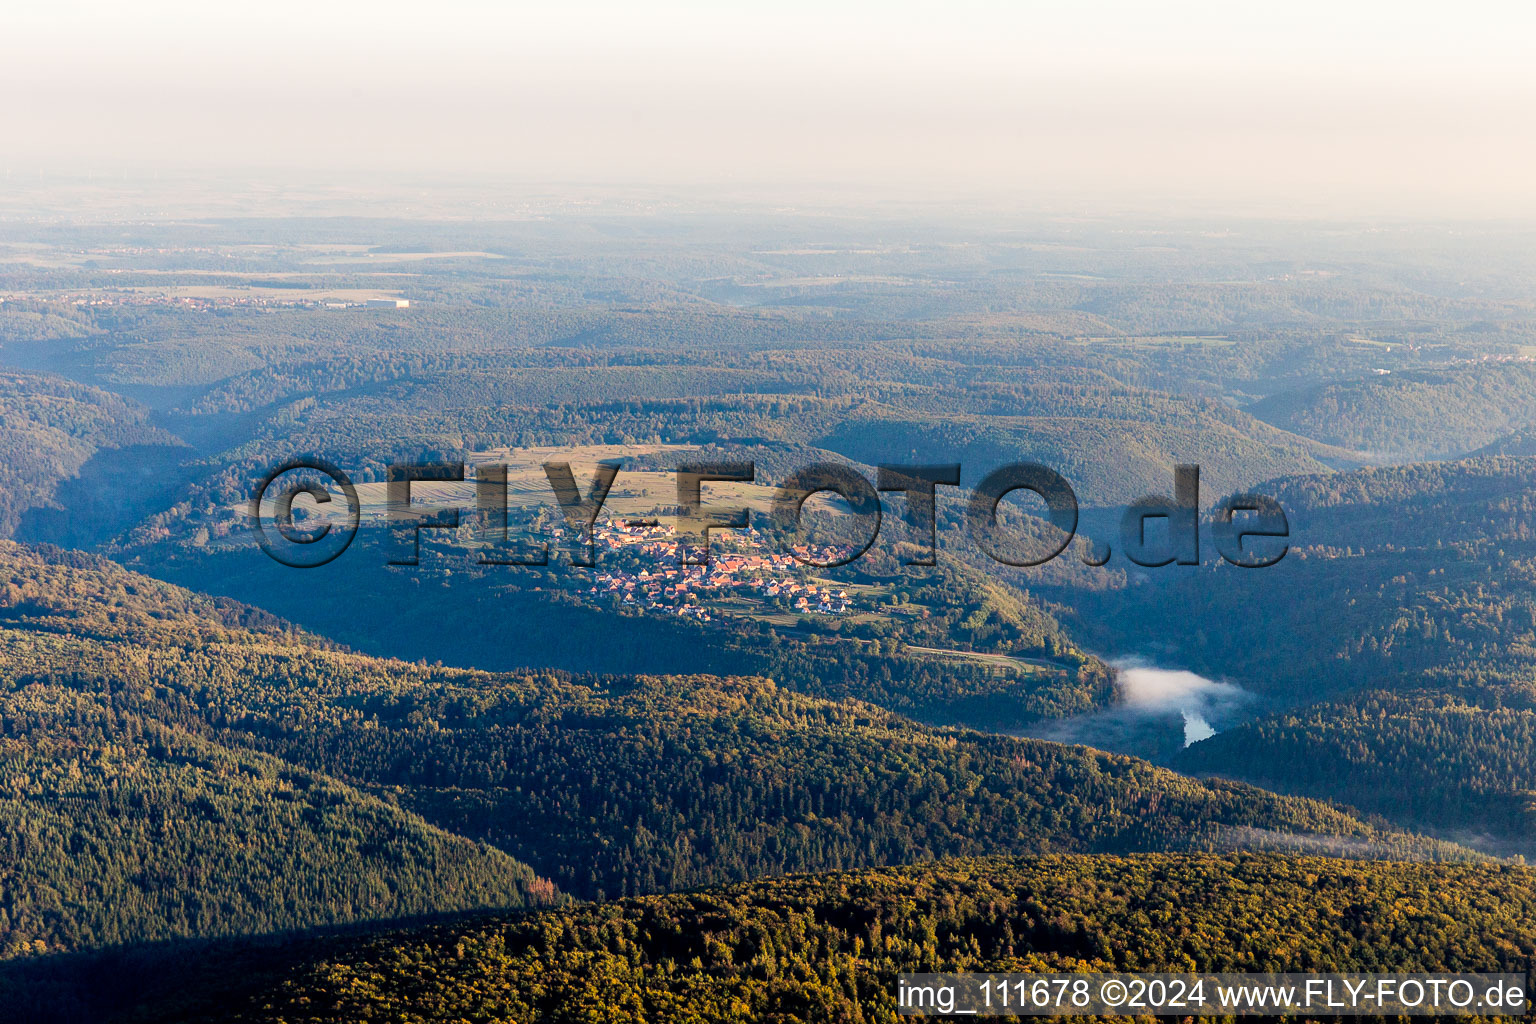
{"x":1198,"y":701}
{"x":1156,"y":713}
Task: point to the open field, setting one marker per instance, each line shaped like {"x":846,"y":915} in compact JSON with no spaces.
{"x":1030,"y":666}
{"x":635,"y":493}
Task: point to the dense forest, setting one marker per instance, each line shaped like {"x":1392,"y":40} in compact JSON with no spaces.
{"x":1411,"y":415}
{"x":1399,"y":635}
{"x":829,"y":947}
{"x":605,"y":785}
{"x":50,"y":428}
{"x":1453,"y":764}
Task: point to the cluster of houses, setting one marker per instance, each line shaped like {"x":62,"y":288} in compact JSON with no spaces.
{"x":737,"y":567}
{"x":135,"y":298}
{"x":205,"y":302}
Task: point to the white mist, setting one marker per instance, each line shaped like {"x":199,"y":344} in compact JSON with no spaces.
{"x":1160,"y":691}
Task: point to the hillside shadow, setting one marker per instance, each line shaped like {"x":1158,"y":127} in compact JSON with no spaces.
{"x":178,"y":980}
{"x":115,"y":489}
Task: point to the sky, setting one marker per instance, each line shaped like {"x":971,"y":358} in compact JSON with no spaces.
{"x":1400,"y":108}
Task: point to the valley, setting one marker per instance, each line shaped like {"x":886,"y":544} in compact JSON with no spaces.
{"x":637,"y":777}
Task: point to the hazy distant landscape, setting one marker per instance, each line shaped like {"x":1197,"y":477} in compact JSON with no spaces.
{"x":765,"y":716}
{"x":154,"y":373}
{"x":671,"y":512}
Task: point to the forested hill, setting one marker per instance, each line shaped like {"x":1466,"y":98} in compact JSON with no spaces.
{"x":1410,"y":415}
{"x":122,"y":825}
{"x":1521,"y":443}
{"x":1114,"y":441}
{"x":50,"y":428}
{"x":1401,"y":630}
{"x":50,"y":589}
{"x":829,"y":947}
{"x":293,"y":784}
{"x":1460,"y":763}
{"x":1391,"y":572}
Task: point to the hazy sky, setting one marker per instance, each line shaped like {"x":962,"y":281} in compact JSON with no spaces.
{"x":1401,"y":107}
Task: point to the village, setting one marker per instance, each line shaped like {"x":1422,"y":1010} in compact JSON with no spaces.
{"x":654,"y":578}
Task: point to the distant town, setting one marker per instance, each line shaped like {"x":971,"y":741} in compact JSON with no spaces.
{"x":742,"y":568}
{"x":179,"y":299}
